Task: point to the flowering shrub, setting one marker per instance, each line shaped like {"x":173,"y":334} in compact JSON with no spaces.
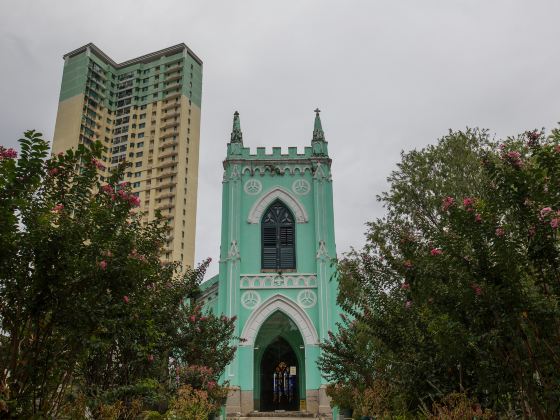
{"x":190,"y":403}
{"x":480,"y":315}
{"x":87,"y":311}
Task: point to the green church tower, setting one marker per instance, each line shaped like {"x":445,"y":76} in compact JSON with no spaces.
{"x":277,"y":242}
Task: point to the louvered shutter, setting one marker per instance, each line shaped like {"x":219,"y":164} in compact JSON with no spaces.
{"x":287,"y":257}
{"x":278,"y":238}
{"x":269,"y":247}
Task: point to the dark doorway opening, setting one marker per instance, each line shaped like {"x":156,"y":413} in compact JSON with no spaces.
{"x":279,"y":381}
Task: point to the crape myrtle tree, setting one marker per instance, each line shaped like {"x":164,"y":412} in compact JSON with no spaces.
{"x":458,"y":285}
{"x":89,"y":316}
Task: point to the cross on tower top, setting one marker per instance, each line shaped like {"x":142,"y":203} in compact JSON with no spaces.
{"x":317,"y":110}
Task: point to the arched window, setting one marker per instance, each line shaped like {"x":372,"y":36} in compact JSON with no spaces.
{"x":278,"y":238}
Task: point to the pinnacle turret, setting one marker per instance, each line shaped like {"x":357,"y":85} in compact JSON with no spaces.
{"x":236,"y":134}
{"x":318,"y":134}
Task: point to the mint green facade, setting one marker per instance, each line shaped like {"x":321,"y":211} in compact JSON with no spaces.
{"x":293,"y":308}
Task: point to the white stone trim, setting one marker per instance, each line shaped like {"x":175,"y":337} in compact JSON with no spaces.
{"x":288,"y":307}
{"x":274,"y":281}
{"x":281,"y":194}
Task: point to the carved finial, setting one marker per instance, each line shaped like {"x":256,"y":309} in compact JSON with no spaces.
{"x":236,"y":135}
{"x":318,"y":134}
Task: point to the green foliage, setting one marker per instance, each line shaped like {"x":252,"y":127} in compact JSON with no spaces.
{"x":457,"y":287}
{"x":89,"y":316}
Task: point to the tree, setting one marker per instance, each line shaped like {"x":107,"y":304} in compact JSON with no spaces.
{"x":458,"y":285}
{"x":88,"y":313}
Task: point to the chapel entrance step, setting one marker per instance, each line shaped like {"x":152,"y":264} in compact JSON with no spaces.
{"x":277,"y":415}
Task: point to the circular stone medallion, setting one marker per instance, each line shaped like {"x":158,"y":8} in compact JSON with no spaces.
{"x":253,"y":187}
{"x":250,"y":299}
{"x":301,"y":187}
{"x":307,"y":298}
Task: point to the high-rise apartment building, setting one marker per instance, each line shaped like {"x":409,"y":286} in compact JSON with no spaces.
{"x":145,"y":111}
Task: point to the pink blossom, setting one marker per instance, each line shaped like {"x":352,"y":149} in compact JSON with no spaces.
{"x":514,"y":154}
{"x":53,"y":171}
{"x":122,"y":194}
{"x":468,"y":202}
{"x":405,"y":286}
{"x":555,"y":223}
{"x":514,"y":157}
{"x":58,"y":208}
{"x":500,"y":232}
{"x":124,"y":184}
{"x":477,"y":289}
{"x":557,"y":148}
{"x":533,"y":135}
{"x":150,"y":358}
{"x":436,"y":251}
{"x":97,"y":164}
{"x":448,"y":202}
{"x":7,"y":153}
{"x":502,"y":146}
{"x":126,"y":299}
{"x":192,"y":318}
{"x":478,"y":218}
{"x":103,"y":264}
{"x":134,"y":201}
{"x":408,"y":264}
{"x":532,"y":231}
{"x":545,"y":211}
{"x":408,"y":304}
{"x":107,"y":189}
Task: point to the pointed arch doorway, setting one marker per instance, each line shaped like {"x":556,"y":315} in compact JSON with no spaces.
{"x":279,"y":365}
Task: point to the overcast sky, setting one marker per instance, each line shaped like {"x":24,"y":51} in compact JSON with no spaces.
{"x":388,"y":75}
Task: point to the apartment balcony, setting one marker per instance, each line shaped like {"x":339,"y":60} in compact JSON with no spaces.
{"x":174,"y":67}
{"x":168,"y":144}
{"x":174,"y":85}
{"x":168,"y":154}
{"x":172,"y":114}
{"x":166,"y":184}
{"x":173,"y":77}
{"x":169,"y":124}
{"x":167,"y":173}
{"x":98,"y":71}
{"x":165,"y":194}
{"x":167,"y":164}
{"x":96,"y":87}
{"x":172,"y":95}
{"x":168,"y":134}
{"x":165,"y":206}
{"x":170,"y":105}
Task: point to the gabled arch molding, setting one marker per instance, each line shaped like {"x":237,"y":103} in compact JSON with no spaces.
{"x":290,"y":309}
{"x":277,"y":193}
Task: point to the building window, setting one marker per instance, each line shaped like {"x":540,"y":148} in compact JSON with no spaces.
{"x":140,"y":144}
{"x":278,"y":238}
{"x":139,"y":154}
